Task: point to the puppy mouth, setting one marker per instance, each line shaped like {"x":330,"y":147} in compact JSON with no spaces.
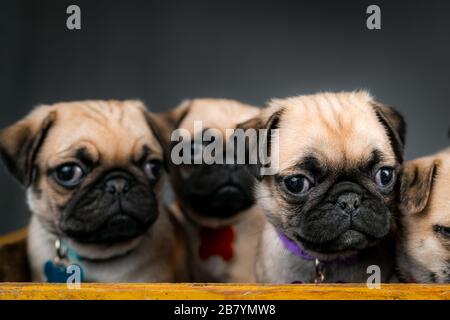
{"x":230,"y":189}
{"x":349,"y":240}
{"x":225,"y":201}
{"x":349,"y":218}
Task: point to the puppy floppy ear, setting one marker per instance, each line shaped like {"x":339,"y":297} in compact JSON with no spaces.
{"x":20,"y":143}
{"x":395,"y":126}
{"x":157,"y":128}
{"x":269,"y":120}
{"x":171,"y":120}
{"x":162,"y":125}
{"x":176,"y":115}
{"x":416,"y":184}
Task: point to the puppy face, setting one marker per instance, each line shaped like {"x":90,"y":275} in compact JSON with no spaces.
{"x":211,"y":192}
{"x":91,"y":168}
{"x":339,"y":156}
{"x":424,"y":250}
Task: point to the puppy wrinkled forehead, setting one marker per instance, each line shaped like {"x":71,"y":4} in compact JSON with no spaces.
{"x":340,"y":127}
{"x":113,"y":128}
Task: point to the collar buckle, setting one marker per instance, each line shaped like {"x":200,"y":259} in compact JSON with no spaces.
{"x":319,"y":271}
{"x":61,"y":257}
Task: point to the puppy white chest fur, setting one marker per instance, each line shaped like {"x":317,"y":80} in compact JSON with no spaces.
{"x":152,"y":259}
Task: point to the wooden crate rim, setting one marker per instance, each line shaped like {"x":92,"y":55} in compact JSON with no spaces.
{"x":202,"y":291}
{"x":198,"y":291}
{"x":13,"y":236}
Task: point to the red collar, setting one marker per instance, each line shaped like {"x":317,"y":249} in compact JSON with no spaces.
{"x":216,"y":242}
{"x":213,"y":241}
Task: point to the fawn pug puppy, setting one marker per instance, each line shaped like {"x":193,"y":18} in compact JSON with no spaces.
{"x":423,"y":250}
{"x":92,"y":175}
{"x":215,"y":202}
{"x":329,"y":203}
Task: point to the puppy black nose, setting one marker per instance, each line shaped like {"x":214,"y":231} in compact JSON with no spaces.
{"x":349,"y":202}
{"x":117,"y":186}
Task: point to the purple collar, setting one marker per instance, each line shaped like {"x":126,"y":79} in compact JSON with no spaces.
{"x":298,"y":251}
{"x":294,"y":248}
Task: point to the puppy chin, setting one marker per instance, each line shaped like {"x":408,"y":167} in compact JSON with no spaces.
{"x":346,"y":245}
{"x":104,"y":251}
{"x":332,"y":256}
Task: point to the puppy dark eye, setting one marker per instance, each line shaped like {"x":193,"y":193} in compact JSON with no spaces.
{"x":384,"y":176}
{"x":69,"y":175}
{"x":298,"y":184}
{"x":152,"y":169}
{"x":442,"y":230}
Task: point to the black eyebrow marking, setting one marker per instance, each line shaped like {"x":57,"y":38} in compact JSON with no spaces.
{"x":311,"y":164}
{"x":396,"y":141}
{"x":375,"y":158}
{"x":144,"y":155}
{"x":84,"y":156}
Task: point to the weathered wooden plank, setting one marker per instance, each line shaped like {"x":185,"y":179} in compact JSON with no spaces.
{"x":221,"y":291}
{"x":13,"y":257}
{"x":13,"y":237}
{"x":12,"y":248}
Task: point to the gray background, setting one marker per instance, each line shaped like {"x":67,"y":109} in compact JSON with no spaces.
{"x":164,"y":51}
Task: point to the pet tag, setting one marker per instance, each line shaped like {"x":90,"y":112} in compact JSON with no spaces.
{"x":59,"y":269}
{"x":57,"y":272}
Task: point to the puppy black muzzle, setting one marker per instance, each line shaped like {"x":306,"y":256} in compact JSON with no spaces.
{"x":219,"y":191}
{"x":117,"y":208}
{"x":348,"y":218}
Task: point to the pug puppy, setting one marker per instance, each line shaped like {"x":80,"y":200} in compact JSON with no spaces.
{"x":214,"y":202}
{"x":329,"y":202}
{"x":423,"y":251}
{"x":92,"y":173}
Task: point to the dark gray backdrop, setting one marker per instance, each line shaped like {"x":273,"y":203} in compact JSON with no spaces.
{"x":164,"y":51}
